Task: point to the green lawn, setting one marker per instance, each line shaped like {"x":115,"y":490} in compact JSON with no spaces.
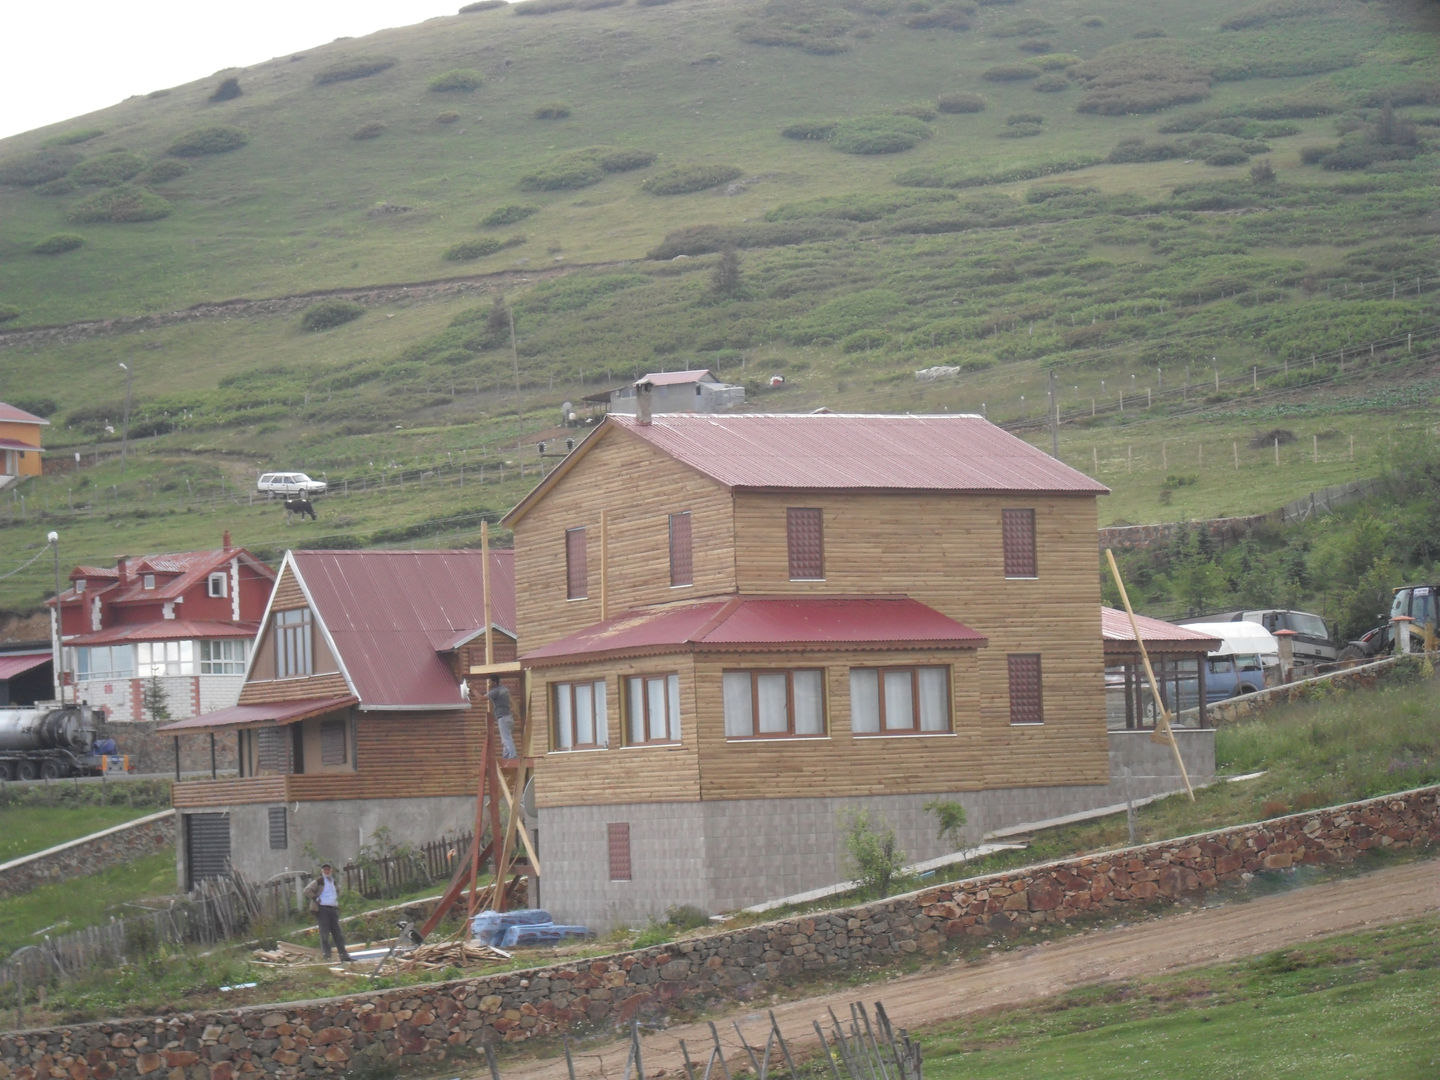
{"x":29,"y":829}
{"x":71,"y":905}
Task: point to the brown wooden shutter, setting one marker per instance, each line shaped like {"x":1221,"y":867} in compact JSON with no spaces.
{"x":804,"y":528}
{"x":618,"y":838}
{"x":1027,"y":705}
{"x":681,"y":560}
{"x":272,"y":750}
{"x":577,"y":579}
{"x":1018,"y":531}
{"x":332,"y":742}
{"x":279,"y":834}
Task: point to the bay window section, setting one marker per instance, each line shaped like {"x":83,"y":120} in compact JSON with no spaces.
{"x":900,"y":700}
{"x":164,"y":658}
{"x":774,"y":704}
{"x":225,"y":656}
{"x":579,"y":716}
{"x":652,"y":708}
{"x":103,"y":662}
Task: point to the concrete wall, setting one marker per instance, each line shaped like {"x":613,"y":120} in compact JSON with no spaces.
{"x":721,"y":855}
{"x":420,"y":1024}
{"x":100,"y":851}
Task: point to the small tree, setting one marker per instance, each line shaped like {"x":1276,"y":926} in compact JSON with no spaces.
{"x":725,"y":281}
{"x":872,"y":853}
{"x":153,"y":699}
{"x":1262,"y":172}
{"x":951,"y":816}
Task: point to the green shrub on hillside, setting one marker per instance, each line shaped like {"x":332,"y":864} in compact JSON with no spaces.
{"x":58,"y":244}
{"x":70,"y":138}
{"x":621,"y":159}
{"x":38,"y":166}
{"x":1124,"y":79}
{"x":455,"y":80}
{"x":1020,"y":131}
{"x":1010,"y":73}
{"x":208,"y":140}
{"x":62,"y":186}
{"x":686,"y":179}
{"x":878,"y":134}
{"x":814,"y":26}
{"x":710,"y":239}
{"x":228,"y":90}
{"x":949,"y":16}
{"x":564,"y":173}
{"x":508,"y":215}
{"x":541,"y":7}
{"x":551,"y":110}
{"x":473,"y":249}
{"x":652,"y":3}
{"x":1056,"y":61}
{"x":595,"y":5}
{"x":109,"y":169}
{"x":1050,"y":84}
{"x":483,"y":5}
{"x":120,"y":205}
{"x":1036,"y":45}
{"x":813,"y":130}
{"x":164,"y":170}
{"x":919,"y":110}
{"x":354,"y":67}
{"x":329,"y":314}
{"x":447,"y":117}
{"x":8,"y":312}
{"x":372,"y":130}
{"x":960,"y":101}
{"x":1031,"y":24}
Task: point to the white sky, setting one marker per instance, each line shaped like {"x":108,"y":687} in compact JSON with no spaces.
{"x":65,"y":58}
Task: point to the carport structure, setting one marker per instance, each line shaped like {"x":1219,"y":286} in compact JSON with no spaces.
{"x":1177,"y":656}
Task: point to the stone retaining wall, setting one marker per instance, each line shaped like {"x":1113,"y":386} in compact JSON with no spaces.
{"x":121,"y":844}
{"x":301,"y":1039}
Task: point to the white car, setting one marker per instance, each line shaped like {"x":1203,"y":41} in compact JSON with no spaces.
{"x":289,"y":484}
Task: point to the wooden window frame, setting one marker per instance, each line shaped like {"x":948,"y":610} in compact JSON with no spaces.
{"x":682,"y":551}
{"x":790,"y":731}
{"x":568,"y":687}
{"x":671,"y":722}
{"x":1017,"y":532}
{"x":800,"y":523}
{"x":294,"y":644}
{"x":914,"y":728}
{"x":1027,"y":689}
{"x":577,"y":564}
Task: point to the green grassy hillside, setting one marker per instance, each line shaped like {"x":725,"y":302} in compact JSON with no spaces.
{"x":1205,"y":223}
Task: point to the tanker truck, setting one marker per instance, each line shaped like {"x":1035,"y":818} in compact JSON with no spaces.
{"x":54,"y":740}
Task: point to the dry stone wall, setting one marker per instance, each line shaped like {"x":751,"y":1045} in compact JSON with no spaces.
{"x":121,"y":844}
{"x":415,"y":1024}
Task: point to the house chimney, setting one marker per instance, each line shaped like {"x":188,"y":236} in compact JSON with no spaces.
{"x":122,"y":564}
{"x":225,"y":541}
{"x":642,"y":402}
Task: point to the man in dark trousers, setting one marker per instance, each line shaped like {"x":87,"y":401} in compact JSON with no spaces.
{"x":324,"y":896}
{"x":499,"y":699}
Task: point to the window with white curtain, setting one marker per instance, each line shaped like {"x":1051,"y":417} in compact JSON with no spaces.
{"x":164,"y":658}
{"x":579,"y":716}
{"x":652,"y":709}
{"x":899,"y":700}
{"x":771,"y":704}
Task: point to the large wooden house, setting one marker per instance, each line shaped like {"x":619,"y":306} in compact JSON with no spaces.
{"x":20,"y":444}
{"x":740,"y":628}
{"x":357,"y":726}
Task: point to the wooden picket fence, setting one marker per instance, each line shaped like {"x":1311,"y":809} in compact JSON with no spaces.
{"x":390,"y":875}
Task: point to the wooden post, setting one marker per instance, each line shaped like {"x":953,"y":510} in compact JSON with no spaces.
{"x":485,"y":586}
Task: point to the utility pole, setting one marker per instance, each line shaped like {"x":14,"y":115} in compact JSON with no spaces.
{"x":125,"y":424}
{"x":1054,"y":419}
{"x":58,"y":657}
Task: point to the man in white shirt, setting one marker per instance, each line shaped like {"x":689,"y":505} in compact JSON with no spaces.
{"x":324,"y":895}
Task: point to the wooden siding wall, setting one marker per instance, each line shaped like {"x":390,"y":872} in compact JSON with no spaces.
{"x":262,"y":685}
{"x":640,"y":488}
{"x":947,"y":552}
{"x":620,"y":774}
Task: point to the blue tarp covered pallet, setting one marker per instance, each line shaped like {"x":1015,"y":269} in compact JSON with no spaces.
{"x":532,"y":926}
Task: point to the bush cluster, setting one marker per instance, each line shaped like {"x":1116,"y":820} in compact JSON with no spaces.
{"x":372,"y":130}
{"x":1121,"y":81}
{"x":108,"y":170}
{"x":818,"y":27}
{"x":8,"y":312}
{"x":58,"y":244}
{"x":1031,"y":24}
{"x":165,"y":169}
{"x":70,"y":138}
{"x":959,"y":101}
{"x":1050,"y":84}
{"x":125,"y":203}
{"x":228,"y":90}
{"x":1010,"y":73}
{"x":551,"y":110}
{"x":208,"y":140}
{"x":541,"y":7}
{"x":508,"y":215}
{"x":473,"y":249}
{"x":919,"y":110}
{"x":581,"y":168}
{"x":38,"y":166}
{"x":447,"y":118}
{"x":460,"y":80}
{"x":933,"y":177}
{"x":709,"y":239}
{"x":951,"y":16}
{"x":878,"y":134}
{"x":685,"y":179}
{"x":811,"y":130}
{"x":483,"y":5}
{"x":330,"y":313}
{"x":595,"y":5}
{"x":354,"y":67}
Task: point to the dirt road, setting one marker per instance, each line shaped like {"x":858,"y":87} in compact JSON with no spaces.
{"x":1189,"y":939}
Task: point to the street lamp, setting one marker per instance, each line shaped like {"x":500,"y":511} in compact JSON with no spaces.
{"x":58,"y":658}
{"x":125,"y":424}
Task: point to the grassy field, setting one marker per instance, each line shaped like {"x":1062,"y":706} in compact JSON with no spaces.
{"x":31,"y":828}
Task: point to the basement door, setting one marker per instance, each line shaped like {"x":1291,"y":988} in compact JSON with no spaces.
{"x":207,"y":847}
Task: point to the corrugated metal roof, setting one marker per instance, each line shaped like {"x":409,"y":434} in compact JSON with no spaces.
{"x":814,"y":451}
{"x":676,"y":378}
{"x":740,"y":623}
{"x":16,"y":444}
{"x":10,"y":414}
{"x":1158,"y":635}
{"x":165,"y":630}
{"x":13,"y":664}
{"x":390,"y":614}
{"x":275,"y":712}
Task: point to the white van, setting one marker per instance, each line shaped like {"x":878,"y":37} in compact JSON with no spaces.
{"x":1247,"y":660}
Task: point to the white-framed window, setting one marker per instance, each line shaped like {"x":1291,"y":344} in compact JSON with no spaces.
{"x":774,"y":704}
{"x":900,"y":700}
{"x":147,"y":581}
{"x":580,"y":719}
{"x":652,"y":709}
{"x":103,"y":662}
{"x":294,"y":655}
{"x":164,"y":658}
{"x":224,"y":657}
{"x":218,"y":585}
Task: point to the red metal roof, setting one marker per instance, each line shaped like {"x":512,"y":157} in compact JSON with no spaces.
{"x":390,"y":615}
{"x":275,"y":712}
{"x":165,"y":630}
{"x":742,"y":623}
{"x":10,"y":414}
{"x":954,"y":452}
{"x":1159,"y":636}
{"x":176,"y":573}
{"x":12,"y":664}
{"x":16,"y":444}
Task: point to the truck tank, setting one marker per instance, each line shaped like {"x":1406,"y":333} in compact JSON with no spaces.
{"x":42,"y":727}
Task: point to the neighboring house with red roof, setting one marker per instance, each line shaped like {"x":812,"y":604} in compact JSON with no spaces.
{"x":20,"y":444}
{"x":180,"y":622}
{"x":695,"y":391}
{"x":739,"y":628}
{"x":357,"y":714}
